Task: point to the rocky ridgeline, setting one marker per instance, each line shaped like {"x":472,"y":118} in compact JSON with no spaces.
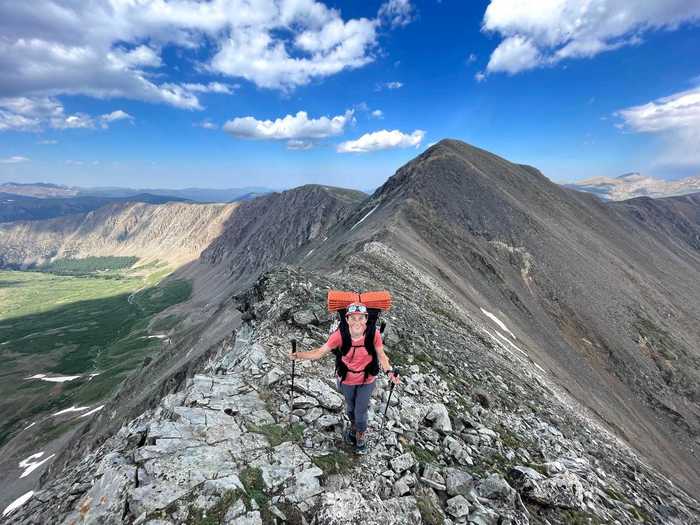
{"x":474,"y":434}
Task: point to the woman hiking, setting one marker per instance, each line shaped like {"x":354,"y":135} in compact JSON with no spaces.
{"x":358,"y":357}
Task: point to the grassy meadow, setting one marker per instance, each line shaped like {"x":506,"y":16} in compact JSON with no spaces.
{"x":88,"y":319}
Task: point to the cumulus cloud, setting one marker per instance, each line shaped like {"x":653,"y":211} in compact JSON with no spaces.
{"x":290,"y":127}
{"x":37,"y":113}
{"x":675,"y":112}
{"x":14,"y":160}
{"x":389,"y":85}
{"x":562,"y":29}
{"x":675,"y":119}
{"x":377,"y":113}
{"x":108,"y":49}
{"x":381,"y":140}
{"x":397,"y":13}
{"x":206,"y":124}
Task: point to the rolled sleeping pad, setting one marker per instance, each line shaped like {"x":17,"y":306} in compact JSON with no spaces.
{"x":339,"y":299}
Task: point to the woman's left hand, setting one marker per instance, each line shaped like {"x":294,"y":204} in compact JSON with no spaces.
{"x":394,"y":378}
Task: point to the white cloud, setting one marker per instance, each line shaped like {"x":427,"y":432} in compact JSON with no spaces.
{"x":116,"y":115}
{"x":676,"y":120}
{"x":79,"y":120}
{"x":299,"y":145}
{"x":12,"y":121}
{"x":108,"y":49}
{"x":290,"y":127}
{"x":206,"y":124}
{"x":479,"y":76}
{"x":211,"y":87}
{"x":377,"y":113}
{"x":393,"y":85}
{"x":47,"y":142}
{"x":675,"y":112}
{"x":14,"y":160}
{"x":381,"y":140}
{"x":560,"y":29}
{"x":397,"y":13}
{"x":514,"y":54}
{"x":36,"y":113}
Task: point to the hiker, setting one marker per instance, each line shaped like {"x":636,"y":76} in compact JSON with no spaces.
{"x":358,"y":358}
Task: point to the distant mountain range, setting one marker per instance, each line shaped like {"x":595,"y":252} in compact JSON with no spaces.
{"x":37,"y":201}
{"x":43,"y":190}
{"x":632,"y":185}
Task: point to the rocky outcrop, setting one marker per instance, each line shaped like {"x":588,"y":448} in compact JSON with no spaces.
{"x":231,"y":446}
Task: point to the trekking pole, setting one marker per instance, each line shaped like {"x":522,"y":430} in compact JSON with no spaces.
{"x":291,"y":392}
{"x":391,"y":391}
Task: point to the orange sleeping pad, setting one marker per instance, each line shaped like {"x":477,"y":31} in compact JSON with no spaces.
{"x":338,"y":299}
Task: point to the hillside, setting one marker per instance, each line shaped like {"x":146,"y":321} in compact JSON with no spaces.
{"x":548,"y":343}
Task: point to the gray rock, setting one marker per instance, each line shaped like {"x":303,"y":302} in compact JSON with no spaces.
{"x":106,"y":498}
{"x":403,"y":462}
{"x":495,"y":487}
{"x":400,"y":488}
{"x":405,"y":510}
{"x":520,"y":473}
{"x":304,"y":317}
{"x":439,"y":418}
{"x":312,"y":415}
{"x":564,"y":490}
{"x":483,"y":516}
{"x":458,"y":507}
{"x":273,"y":376}
{"x":328,"y":421}
{"x":458,"y":482}
{"x":304,"y":402}
{"x":327,"y":397}
{"x":345,"y":507}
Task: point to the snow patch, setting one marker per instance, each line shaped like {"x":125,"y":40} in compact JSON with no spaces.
{"x":158,"y":336}
{"x":17,"y":503}
{"x":498,"y":322}
{"x":29,"y":465}
{"x":363,"y":218}
{"x":57,"y":379}
{"x":71,"y":409}
{"x":499,"y":334}
{"x":93,"y":411}
{"x":310,"y":252}
{"x":30,"y":426}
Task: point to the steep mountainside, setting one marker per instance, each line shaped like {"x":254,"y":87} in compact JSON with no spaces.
{"x":607,"y":304}
{"x":173,"y":232}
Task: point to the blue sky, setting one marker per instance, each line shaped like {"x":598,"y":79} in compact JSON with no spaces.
{"x":279,"y":93}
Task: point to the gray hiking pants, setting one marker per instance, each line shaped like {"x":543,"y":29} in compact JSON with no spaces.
{"x":357,"y":403}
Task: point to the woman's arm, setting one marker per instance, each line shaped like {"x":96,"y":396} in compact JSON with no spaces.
{"x":312,"y":355}
{"x":383,"y":358}
{"x":384,"y":362}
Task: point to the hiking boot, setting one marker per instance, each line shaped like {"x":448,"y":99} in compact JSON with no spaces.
{"x":361,"y":443}
{"x":349,"y":437}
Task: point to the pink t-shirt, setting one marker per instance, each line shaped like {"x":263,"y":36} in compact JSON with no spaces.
{"x":357,"y":357}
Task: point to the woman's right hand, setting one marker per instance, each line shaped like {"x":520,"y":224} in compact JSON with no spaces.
{"x":293,"y":356}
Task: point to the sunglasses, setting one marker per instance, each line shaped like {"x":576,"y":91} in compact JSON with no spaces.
{"x":356,"y":309}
